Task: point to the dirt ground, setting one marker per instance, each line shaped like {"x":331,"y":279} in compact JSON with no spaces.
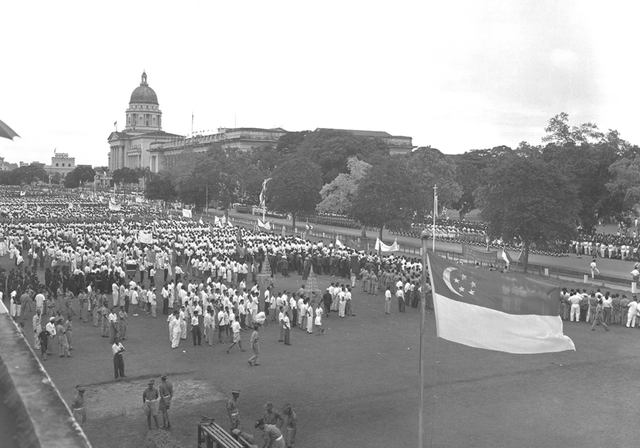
{"x":358,"y":385}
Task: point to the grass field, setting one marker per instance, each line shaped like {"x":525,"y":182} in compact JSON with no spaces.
{"x":358,"y":386}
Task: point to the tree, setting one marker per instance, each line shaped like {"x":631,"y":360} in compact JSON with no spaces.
{"x":79,"y":175}
{"x":159,"y":186}
{"x":530,"y":200}
{"x":295,"y":187}
{"x":337,"y":196}
{"x":26,"y":175}
{"x":126,"y":176}
{"x":559,"y":132}
{"x":625,"y":173}
{"x":471,"y":173}
{"x":386,"y":195}
{"x":429,"y":167}
{"x":331,"y":149}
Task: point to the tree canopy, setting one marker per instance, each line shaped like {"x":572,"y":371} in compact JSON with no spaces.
{"x":295,"y":187}
{"x":530,"y":200}
{"x":337,"y":195}
{"x":80,"y":175}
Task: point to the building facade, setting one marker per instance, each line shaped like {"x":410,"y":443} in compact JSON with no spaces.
{"x":130,"y":147}
{"x":61,"y":163}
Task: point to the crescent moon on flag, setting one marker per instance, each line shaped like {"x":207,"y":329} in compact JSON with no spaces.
{"x":446,"y":276}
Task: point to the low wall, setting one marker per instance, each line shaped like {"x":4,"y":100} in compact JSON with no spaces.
{"x":40,"y":416}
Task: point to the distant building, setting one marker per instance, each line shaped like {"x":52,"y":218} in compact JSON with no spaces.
{"x":61,"y":163}
{"x":240,"y":138}
{"x":397,"y":144}
{"x":130,"y":148}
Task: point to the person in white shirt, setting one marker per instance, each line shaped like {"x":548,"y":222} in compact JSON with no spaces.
{"x":594,"y":268}
{"x":235,"y":327}
{"x":574,"y":299}
{"x":195,"y":329}
{"x":631,"y":314}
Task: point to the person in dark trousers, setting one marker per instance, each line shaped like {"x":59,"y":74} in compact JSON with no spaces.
{"x":118,"y":361}
{"x":195,"y":329}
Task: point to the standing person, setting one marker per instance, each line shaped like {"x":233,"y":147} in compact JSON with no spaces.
{"x":342,"y":304}
{"x":271,"y":435}
{"x":166,"y":395}
{"x":122,"y":323}
{"x":318,"y":321}
{"x":235,"y":327}
{"x":286,"y":325}
{"x":150,"y":401}
{"x":309,"y":312}
{"x":37,"y":328}
{"x":597,"y":319}
{"x":195,"y":329}
{"x":349,"y":305}
{"x":174,"y":329}
{"x":290,"y":425}
{"x":118,"y":362}
{"x":68,"y":328}
{"x":232,"y":409}
{"x":271,"y":415}
{"x":632,"y":310}
{"x":63,"y":343}
{"x":209,"y":327}
{"x":387,"y":301}
{"x":400,"y":296}
{"x":113,"y":325}
{"x":255,"y":346}
{"x":594,"y":268}
{"x":51,"y":329}
{"x":43,"y":339}
{"x":104,"y":319}
{"x":78,"y":406}
{"x":327,"y":298}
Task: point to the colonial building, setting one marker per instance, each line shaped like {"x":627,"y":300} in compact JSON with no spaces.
{"x":239,"y":138}
{"x":130,"y":148}
{"x":397,"y":144}
{"x":61,"y":163}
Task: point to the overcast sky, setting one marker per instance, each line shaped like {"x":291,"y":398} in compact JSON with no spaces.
{"x":456,"y":75}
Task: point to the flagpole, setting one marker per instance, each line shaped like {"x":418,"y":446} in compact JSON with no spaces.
{"x":425,"y":236}
{"x":435,"y":212}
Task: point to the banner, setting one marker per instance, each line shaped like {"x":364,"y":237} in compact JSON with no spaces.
{"x":145,"y":237}
{"x":339,"y":243}
{"x":475,"y":254}
{"x":384,"y":248}
{"x":217,"y":222}
{"x":186,"y":213}
{"x":263,"y":225}
{"x":264,"y":189}
{"x":114,"y":207}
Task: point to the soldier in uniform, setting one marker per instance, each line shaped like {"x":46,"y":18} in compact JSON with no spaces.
{"x":78,"y":406}
{"x":166,"y":394}
{"x":624,"y":309}
{"x":290,"y":425}
{"x":271,"y":415}
{"x":150,"y":400}
{"x":232,"y":409}
{"x":272,"y":436}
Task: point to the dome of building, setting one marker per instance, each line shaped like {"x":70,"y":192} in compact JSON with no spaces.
{"x":143,"y":93}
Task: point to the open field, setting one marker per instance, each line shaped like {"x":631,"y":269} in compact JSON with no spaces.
{"x":357,"y":386}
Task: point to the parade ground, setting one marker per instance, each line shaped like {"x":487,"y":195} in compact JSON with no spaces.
{"x":358,"y":384}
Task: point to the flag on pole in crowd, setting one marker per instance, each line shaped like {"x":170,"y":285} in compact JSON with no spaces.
{"x":264,"y":225}
{"x":200,"y":222}
{"x":223,"y":221}
{"x":114,"y":207}
{"x":495,"y":311}
{"x":262,"y":193}
{"x":385,"y":248}
{"x":216,"y":222}
{"x":229,"y":224}
{"x":38,"y":208}
{"x":308,"y":226}
{"x":339,"y":243}
{"x":186,"y":213}
{"x":435,"y":205}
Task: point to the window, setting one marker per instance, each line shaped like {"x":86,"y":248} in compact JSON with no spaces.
{"x":57,"y":164}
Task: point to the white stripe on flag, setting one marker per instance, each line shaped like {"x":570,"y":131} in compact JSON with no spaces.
{"x":485,"y":328}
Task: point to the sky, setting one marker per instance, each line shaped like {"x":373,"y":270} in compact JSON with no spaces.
{"x":456,"y":75}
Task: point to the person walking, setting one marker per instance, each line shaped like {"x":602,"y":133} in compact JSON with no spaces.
{"x":255,"y":346}
{"x":63,"y":343}
{"x":118,"y":362}
{"x":387,"y":301}
{"x":235,"y":327}
{"x":632,"y":311}
{"x":77,"y":405}
{"x":37,"y":328}
{"x":594,"y":268}
{"x":598,"y":317}
{"x":150,"y":401}
{"x":166,"y":395}
{"x":51,"y":329}
{"x":43,"y":339}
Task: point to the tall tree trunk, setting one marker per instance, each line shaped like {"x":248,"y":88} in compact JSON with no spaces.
{"x":293,"y":222}
{"x":363,"y":232}
{"x":525,"y":255}
{"x":381,"y":228}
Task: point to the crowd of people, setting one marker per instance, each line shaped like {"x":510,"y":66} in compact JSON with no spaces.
{"x":598,"y":308}
{"x":212,"y":282}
